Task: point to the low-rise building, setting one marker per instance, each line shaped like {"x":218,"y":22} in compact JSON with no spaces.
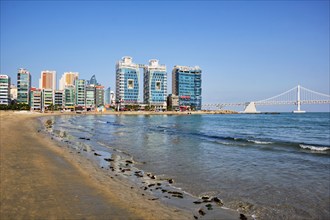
{"x":173,"y":102}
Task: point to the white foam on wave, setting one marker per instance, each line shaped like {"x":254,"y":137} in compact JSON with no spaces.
{"x":104,"y":122}
{"x":260,"y":142}
{"x":314,"y":148}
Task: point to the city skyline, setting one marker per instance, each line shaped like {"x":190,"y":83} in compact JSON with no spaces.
{"x":248,"y":51}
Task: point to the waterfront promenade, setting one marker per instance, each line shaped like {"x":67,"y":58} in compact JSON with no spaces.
{"x":40,"y":180}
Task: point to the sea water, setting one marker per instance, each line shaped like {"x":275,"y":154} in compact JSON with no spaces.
{"x":266,"y":165}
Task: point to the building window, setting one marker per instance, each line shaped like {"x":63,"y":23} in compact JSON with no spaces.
{"x":158,"y":85}
{"x":130,"y":84}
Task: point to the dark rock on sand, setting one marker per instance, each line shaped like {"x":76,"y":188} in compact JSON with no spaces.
{"x":150,"y":185}
{"x":217,"y":200}
{"x":178,"y":196}
{"x":151,"y":176}
{"x":138,"y":175}
{"x":201,"y":212}
{"x":124,"y":170}
{"x":129,"y":161}
{"x":170,"y":181}
{"x":164,"y":190}
{"x":242,"y":217}
{"x":197,"y":202}
{"x":159,"y":184}
{"x":108,"y":159}
{"x":175,"y":193}
{"x":195,"y":217}
{"x":96,"y":154}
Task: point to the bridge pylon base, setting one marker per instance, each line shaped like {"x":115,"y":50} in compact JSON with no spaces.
{"x":299,"y":111}
{"x":250,"y":108}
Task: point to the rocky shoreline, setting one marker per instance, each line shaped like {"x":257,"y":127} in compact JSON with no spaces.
{"x":120,"y":165}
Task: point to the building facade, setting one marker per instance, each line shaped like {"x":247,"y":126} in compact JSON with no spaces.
{"x":47,"y":80}
{"x":13,"y":92}
{"x":59,"y":98}
{"x":68,"y":79}
{"x":99,"y":96}
{"x":155,"y":84}
{"x":187,"y":85}
{"x":69,"y":97}
{"x":107,"y":93}
{"x":127,"y":81}
{"x":23,"y":86}
{"x":173,"y":102}
{"x":90,"y":97}
{"x":47,"y":99}
{"x":80,"y":92}
{"x":4,"y":90}
{"x":36,"y":99}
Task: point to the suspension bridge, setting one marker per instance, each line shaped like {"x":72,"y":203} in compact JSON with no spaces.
{"x":296,"y":96}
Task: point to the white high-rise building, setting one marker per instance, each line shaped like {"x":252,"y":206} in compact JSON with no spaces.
{"x":127,"y":81}
{"x":155,"y":84}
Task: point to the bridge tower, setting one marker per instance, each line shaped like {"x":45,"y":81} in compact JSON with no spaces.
{"x":298,"y":101}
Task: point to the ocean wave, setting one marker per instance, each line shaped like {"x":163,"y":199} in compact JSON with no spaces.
{"x":314,"y":148}
{"x":260,"y":142}
{"x":100,"y":121}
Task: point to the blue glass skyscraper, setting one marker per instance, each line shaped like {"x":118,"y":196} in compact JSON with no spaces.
{"x":155,"y":84}
{"x":187,"y":85}
{"x":127,"y":81}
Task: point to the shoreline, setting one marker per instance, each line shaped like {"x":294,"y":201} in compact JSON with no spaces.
{"x":137,"y":203}
{"x":203,"y":112}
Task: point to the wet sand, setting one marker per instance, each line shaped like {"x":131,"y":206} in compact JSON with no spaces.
{"x":42,"y":180}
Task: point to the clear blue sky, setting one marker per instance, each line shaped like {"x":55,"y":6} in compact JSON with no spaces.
{"x":247,"y":50}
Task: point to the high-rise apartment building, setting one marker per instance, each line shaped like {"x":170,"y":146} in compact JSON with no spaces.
{"x":155,"y":84}
{"x":80,"y":93}
{"x":4,"y":90}
{"x":47,"y":98}
{"x":36,"y":99}
{"x":187,"y":85}
{"x":99,"y":96}
{"x":68,"y":79}
{"x":127,"y":81}
{"x":23,"y":86}
{"x":90,"y":96}
{"x":69,"y":97}
{"x":59,"y":98}
{"x":47,"y":80}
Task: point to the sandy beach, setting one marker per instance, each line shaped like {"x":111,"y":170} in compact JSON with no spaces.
{"x":42,"y":180}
